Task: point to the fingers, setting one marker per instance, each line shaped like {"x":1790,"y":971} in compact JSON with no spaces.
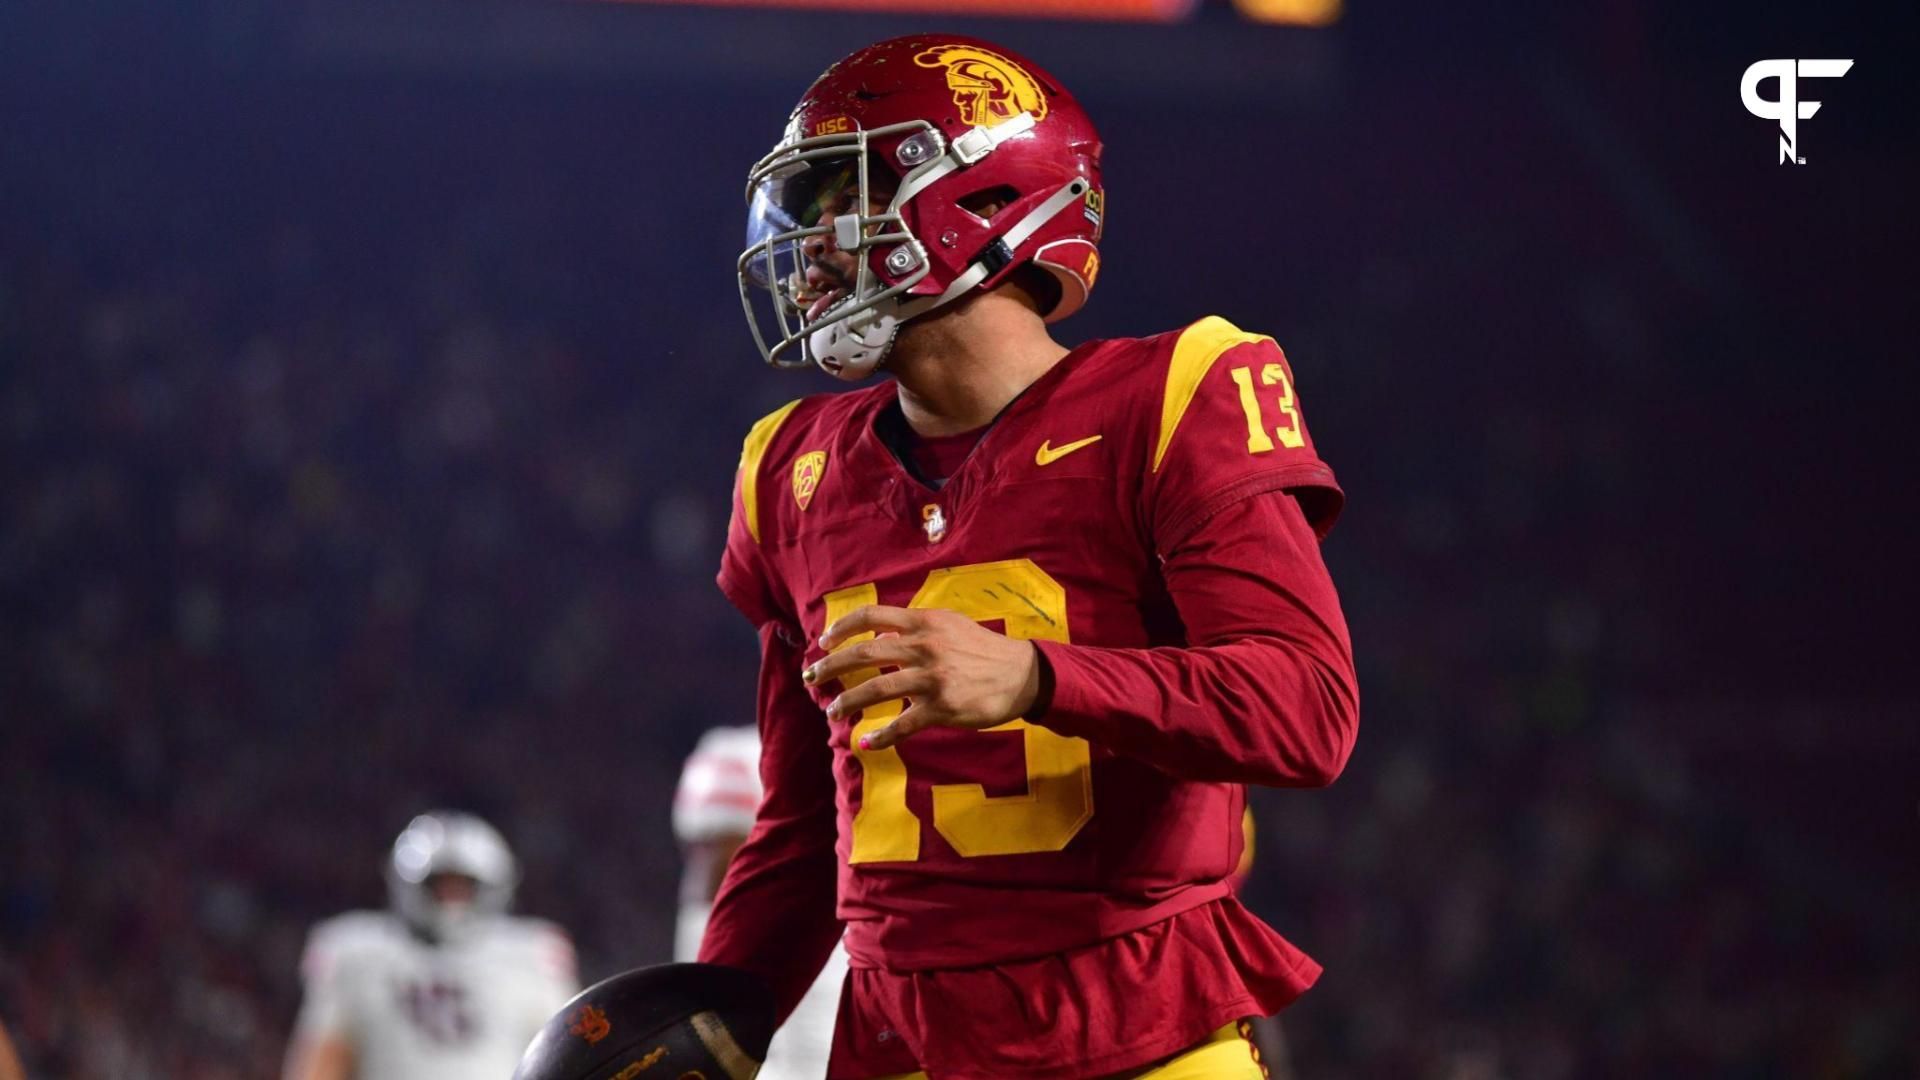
{"x":916,"y":718}
{"x":875,"y":617}
{"x":882,"y":688}
{"x":891,"y":650}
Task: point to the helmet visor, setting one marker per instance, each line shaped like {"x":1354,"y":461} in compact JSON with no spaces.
{"x":802,"y":195}
{"x":816,"y":211}
{"x":793,"y":260}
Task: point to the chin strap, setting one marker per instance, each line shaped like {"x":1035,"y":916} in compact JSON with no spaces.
{"x":1068,"y":194}
{"x":851,"y":348}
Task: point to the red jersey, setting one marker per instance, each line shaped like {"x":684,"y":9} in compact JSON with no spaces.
{"x":1148,"y":513}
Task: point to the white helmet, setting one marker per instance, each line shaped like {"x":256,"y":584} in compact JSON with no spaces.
{"x":719,"y":789}
{"x":450,"y":842}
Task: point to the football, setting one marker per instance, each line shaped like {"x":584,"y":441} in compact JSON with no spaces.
{"x":678,"y":1021}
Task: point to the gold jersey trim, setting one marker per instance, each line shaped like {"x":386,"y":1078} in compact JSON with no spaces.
{"x":1193,"y":356}
{"x":751,"y":452}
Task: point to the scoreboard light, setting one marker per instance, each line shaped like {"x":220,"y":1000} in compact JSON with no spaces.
{"x":1099,"y":10}
{"x":1291,"y":12}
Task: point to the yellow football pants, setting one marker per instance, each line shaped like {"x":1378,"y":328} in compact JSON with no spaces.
{"x":1226,"y":1055}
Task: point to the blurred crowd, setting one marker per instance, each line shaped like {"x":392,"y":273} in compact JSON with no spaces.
{"x":382,"y":461}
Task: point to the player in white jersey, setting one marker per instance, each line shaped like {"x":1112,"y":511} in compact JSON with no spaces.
{"x":447,"y":985}
{"x":713,"y":811}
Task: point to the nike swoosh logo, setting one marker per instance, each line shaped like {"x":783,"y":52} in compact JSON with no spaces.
{"x":1046,"y":455}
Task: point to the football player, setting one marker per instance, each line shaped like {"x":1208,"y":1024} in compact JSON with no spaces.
{"x":9,"y":1062}
{"x":713,"y":810}
{"x":445,"y":985}
{"x":1030,"y":616}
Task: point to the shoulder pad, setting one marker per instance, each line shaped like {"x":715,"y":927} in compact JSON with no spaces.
{"x":356,"y":928}
{"x":356,"y":933}
{"x":541,"y":943}
{"x":1194,"y":352}
{"x":755,"y":448}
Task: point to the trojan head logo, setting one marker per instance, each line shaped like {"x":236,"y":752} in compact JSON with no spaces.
{"x":807,"y":470}
{"x":590,"y":1023}
{"x":988,"y":87}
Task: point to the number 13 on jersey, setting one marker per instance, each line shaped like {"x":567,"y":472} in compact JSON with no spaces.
{"x":1059,"y":796}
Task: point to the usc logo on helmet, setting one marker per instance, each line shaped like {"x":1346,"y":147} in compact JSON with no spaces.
{"x":987,"y":87}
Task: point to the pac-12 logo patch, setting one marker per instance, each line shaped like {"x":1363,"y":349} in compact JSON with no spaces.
{"x":807,"y":470}
{"x":987,"y":87}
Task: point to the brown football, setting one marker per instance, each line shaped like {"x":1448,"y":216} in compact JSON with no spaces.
{"x":674,"y":1021}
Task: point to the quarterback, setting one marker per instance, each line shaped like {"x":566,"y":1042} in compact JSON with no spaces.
{"x":1030,"y":616}
{"x":446,"y":986}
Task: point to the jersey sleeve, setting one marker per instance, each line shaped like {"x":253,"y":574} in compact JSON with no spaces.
{"x":326,"y":982}
{"x":746,"y":577}
{"x":1263,"y":693}
{"x":775,"y":914}
{"x":1230,"y":426}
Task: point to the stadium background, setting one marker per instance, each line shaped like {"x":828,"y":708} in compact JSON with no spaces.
{"x":371,"y":378}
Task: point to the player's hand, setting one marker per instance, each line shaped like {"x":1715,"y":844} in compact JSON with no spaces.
{"x":958,"y":673}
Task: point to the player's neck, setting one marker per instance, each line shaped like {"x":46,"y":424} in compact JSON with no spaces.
{"x":958,"y":368}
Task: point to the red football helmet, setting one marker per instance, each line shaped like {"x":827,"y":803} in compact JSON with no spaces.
{"x":938,"y":129}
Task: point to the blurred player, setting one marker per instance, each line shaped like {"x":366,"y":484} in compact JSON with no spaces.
{"x":712,"y":815}
{"x":446,"y":985}
{"x":1030,"y":616}
{"x":9,"y":1062}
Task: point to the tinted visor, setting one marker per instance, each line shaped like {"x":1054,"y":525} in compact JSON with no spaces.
{"x":796,"y":200}
{"x":799,"y":197}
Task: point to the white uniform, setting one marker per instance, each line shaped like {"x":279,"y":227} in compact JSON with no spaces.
{"x":718,"y":794}
{"x":417,"y":1011}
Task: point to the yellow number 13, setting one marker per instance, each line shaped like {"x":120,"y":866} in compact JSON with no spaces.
{"x":1059,"y":797}
{"x":1289,"y":435}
